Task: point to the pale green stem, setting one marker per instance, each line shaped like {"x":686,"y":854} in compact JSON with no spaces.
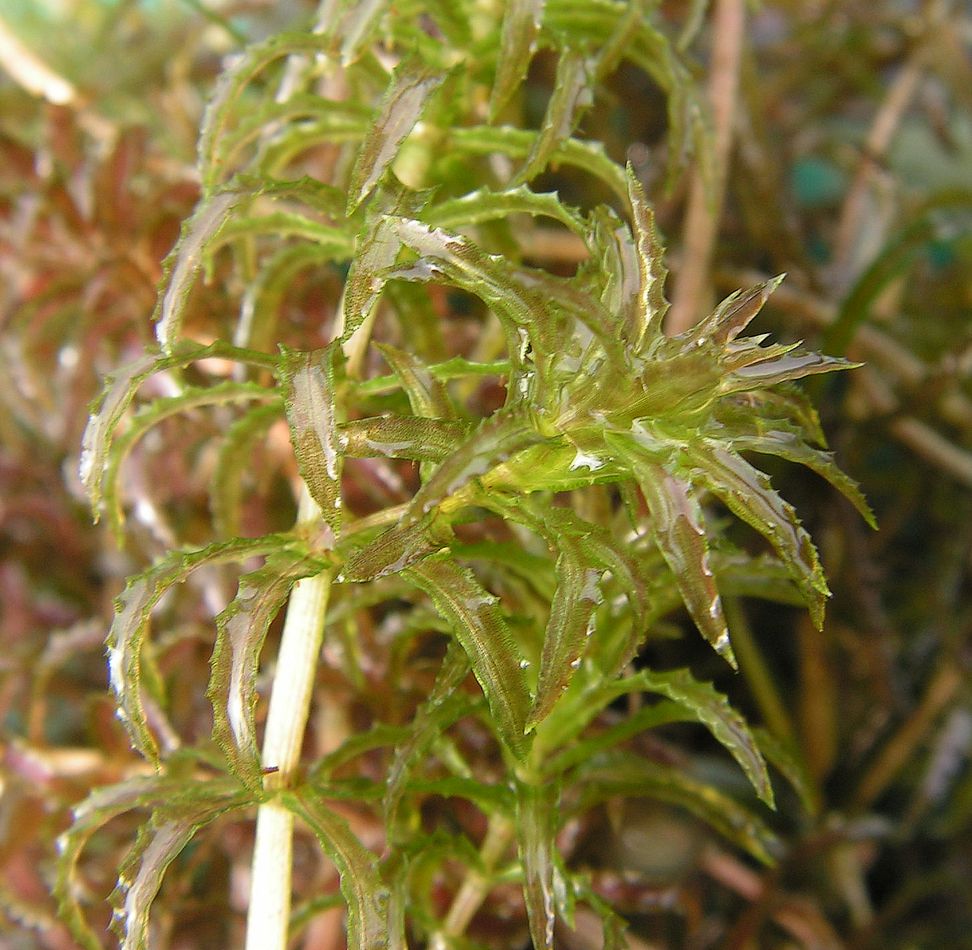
{"x":293,"y":683}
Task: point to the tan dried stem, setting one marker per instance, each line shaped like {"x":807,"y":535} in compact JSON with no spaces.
{"x":705,"y":204}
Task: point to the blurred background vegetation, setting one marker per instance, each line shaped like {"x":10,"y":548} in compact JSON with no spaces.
{"x":851,"y":170}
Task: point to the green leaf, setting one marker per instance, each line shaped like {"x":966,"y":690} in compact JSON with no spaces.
{"x":427,"y":396}
{"x":118,"y":392}
{"x":620,"y":773}
{"x":747,"y":493}
{"x":477,"y":623}
{"x":484,"y":204}
{"x":573,"y":95}
{"x":186,"y":258}
{"x":309,"y":398}
{"x":712,"y":709}
{"x":231,"y":83}
{"x":786,"y":759}
{"x":789,"y":446}
{"x":353,"y":23}
{"x":241,"y":630}
{"x":226,"y":486}
{"x":396,"y":548}
{"x":405,"y":100}
{"x":152,"y":414}
{"x":733,"y":315}
{"x":521,"y":26}
{"x":134,"y":607}
{"x":536,"y":827}
{"x":678,"y":528}
{"x":403,"y":437}
{"x":497,"y":438}
{"x":361,"y":884}
{"x":645,"y":324}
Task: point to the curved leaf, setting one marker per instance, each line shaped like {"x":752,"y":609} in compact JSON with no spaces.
{"x":395,"y":549}
{"x":406,"y":99}
{"x":748,"y":494}
{"x":361,"y":884}
{"x":678,"y":528}
{"x":426,"y":393}
{"x":484,"y":204}
{"x":712,"y":709}
{"x":651,"y":306}
{"x":309,"y":399}
{"x":403,"y":437}
{"x":521,"y":26}
{"x":134,"y":607}
{"x":478,"y":625}
{"x":241,"y":630}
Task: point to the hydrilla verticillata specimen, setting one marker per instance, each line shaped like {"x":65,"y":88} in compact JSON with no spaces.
{"x":534,"y":545}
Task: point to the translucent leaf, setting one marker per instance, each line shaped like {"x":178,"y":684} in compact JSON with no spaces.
{"x":404,"y":437}
{"x":678,"y":528}
{"x":789,"y":446}
{"x":353,"y":23}
{"x":377,"y":249}
{"x":619,"y":773}
{"x":713,"y":710}
{"x":134,"y":607}
{"x":536,"y":826}
{"x":572,"y":96}
{"x":427,"y":395}
{"x":485,"y":204}
{"x":184,"y":261}
{"x":226,"y":485}
{"x":118,"y":392}
{"x":361,"y":884}
{"x":517,"y":143}
{"x":477,"y":623}
{"x":651,"y":305}
{"x":488,"y":797}
{"x":232,"y":81}
{"x":733,"y":315}
{"x":495,"y":440}
{"x":335,"y":243}
{"x":748,"y":494}
{"x":241,"y":630}
{"x":190,"y":804}
{"x":395,"y":549}
{"x":785,"y":368}
{"x":308,"y":383}
{"x":521,"y":26}
{"x":152,"y":414}
{"x":786,"y":759}
{"x":406,"y":99}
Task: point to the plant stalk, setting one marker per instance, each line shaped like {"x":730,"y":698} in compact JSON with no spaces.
{"x":300,"y":646}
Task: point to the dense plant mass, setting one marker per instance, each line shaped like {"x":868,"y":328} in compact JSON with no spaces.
{"x":417,"y":461}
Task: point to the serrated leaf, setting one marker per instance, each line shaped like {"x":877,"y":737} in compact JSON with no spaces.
{"x":403,"y":437}
{"x":395,"y":549}
{"x":521,"y":26}
{"x":651,"y":305}
{"x":241,"y":630}
{"x":484,"y":204}
{"x":226,"y":485}
{"x":118,"y":392}
{"x":441,"y":709}
{"x":748,"y":494}
{"x":619,"y":773}
{"x":427,"y":395}
{"x":335,"y":243}
{"x":494,"y":441}
{"x":405,"y":100}
{"x":588,"y":156}
{"x":536,"y":808}
{"x":477,"y":623}
{"x":186,"y":802}
{"x":134,"y":607}
{"x":712,"y":709}
{"x":763,"y":372}
{"x":185,"y":260}
{"x":572,"y":96}
{"x":789,"y":446}
{"x":231,"y":83}
{"x":678,"y":527}
{"x":364,"y":891}
{"x":733,"y":315}
{"x":309,"y":400}
{"x":376,"y":250}
{"x":152,"y":414}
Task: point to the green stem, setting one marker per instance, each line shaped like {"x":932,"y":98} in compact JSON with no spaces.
{"x":293,"y":683}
